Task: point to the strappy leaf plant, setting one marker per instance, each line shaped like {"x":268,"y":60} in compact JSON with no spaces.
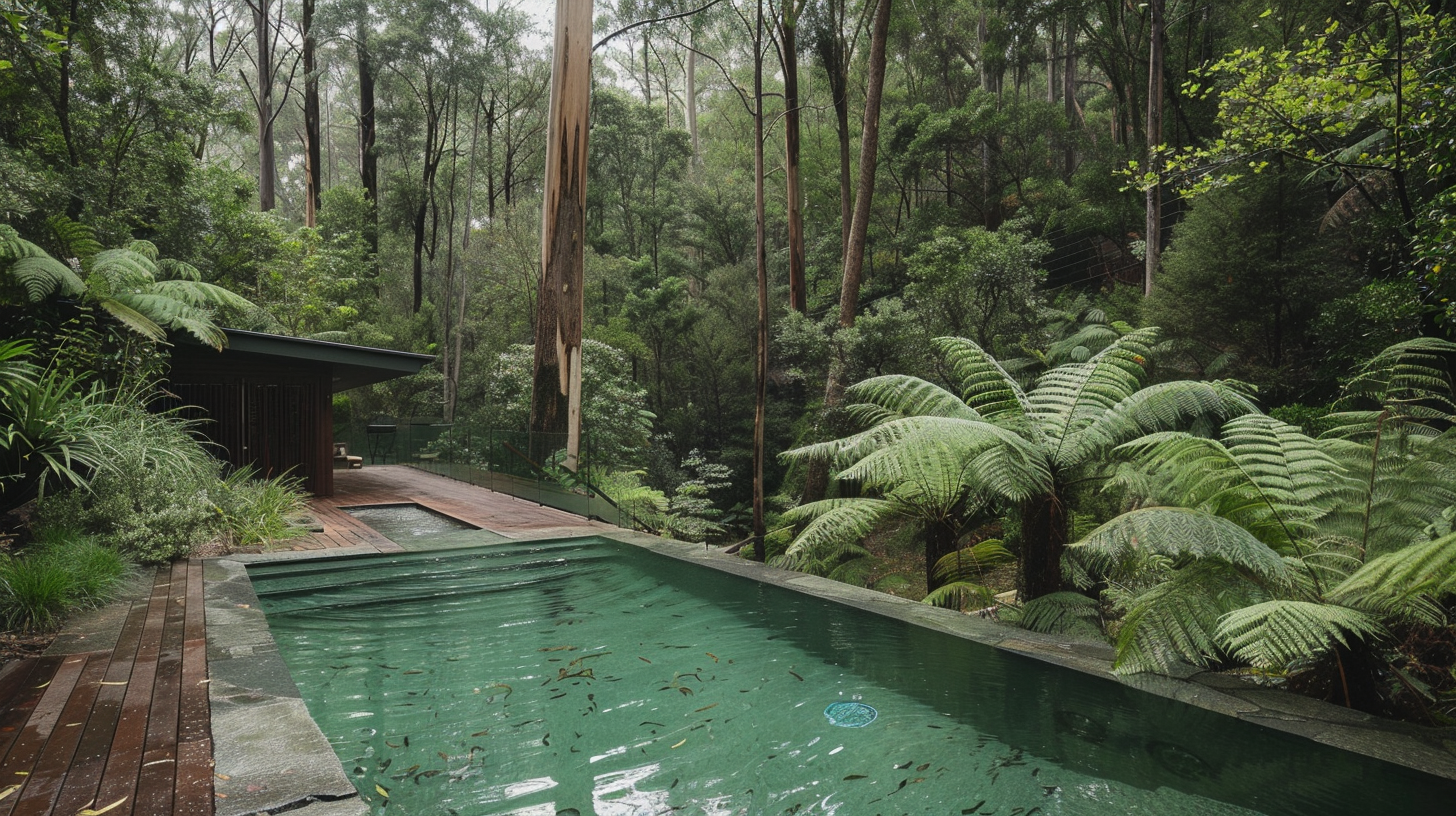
{"x":1268,"y":548}
{"x":946,"y":457}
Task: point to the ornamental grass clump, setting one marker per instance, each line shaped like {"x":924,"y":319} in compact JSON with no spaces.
{"x":56,"y":576}
{"x":258,"y":512}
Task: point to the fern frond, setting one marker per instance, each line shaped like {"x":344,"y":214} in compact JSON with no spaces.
{"x":171,"y":269}
{"x":901,"y":395}
{"x":960,"y":595}
{"x":835,"y":526}
{"x":973,"y":562}
{"x":40,"y":276}
{"x":1279,"y":633}
{"x":133,"y":319}
{"x":1179,"y":532}
{"x":73,"y":239}
{"x":1069,"y":398}
{"x":1200,"y":407}
{"x":123,"y":270}
{"x":146,"y":249}
{"x":1401,"y":575}
{"x":201,"y":295}
{"x":1060,"y":613}
{"x":940,"y":458}
{"x":985,"y":385}
{"x":1409,"y":373}
{"x":1175,"y":621}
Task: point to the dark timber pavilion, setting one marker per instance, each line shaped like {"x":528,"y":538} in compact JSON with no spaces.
{"x":267,"y":400}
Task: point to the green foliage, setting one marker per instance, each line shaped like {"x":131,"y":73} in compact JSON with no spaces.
{"x":944,"y":459}
{"x":34,"y":593}
{"x":1267,"y":547}
{"x":54,"y":577}
{"x":47,"y":429}
{"x":1060,"y":613}
{"x":613,"y":407}
{"x":260,"y":512}
{"x":976,"y":283}
{"x":150,"y":496}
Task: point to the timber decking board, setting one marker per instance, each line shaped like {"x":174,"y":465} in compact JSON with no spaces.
{"x":400,"y":484}
{"x":129,"y":724}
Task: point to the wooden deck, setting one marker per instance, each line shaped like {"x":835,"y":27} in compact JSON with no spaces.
{"x":125,"y":728}
{"x":400,"y":484}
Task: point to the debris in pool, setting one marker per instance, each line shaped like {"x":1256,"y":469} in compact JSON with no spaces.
{"x":850,"y":715}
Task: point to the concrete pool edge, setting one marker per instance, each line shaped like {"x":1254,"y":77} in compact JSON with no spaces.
{"x":251,"y":677}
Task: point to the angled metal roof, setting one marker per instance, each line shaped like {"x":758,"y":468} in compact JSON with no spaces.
{"x":352,"y":366}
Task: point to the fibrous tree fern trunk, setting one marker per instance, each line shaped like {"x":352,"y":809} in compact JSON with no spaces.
{"x":1044,"y":532}
{"x":940,"y":540}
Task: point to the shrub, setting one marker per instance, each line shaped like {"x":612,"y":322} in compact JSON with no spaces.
{"x":260,"y":511}
{"x":150,"y":498}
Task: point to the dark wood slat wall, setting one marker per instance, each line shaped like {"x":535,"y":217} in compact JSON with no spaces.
{"x":276,"y":417}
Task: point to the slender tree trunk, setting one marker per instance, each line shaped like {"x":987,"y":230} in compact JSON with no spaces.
{"x":798,"y":293}
{"x":869,"y":144}
{"x":368,"y":158}
{"x":556,"y":388}
{"x":690,"y":104}
{"x":267,"y":161}
{"x":760,"y":414}
{"x":1044,"y":538}
{"x":1154,"y":231}
{"x":1069,"y":97}
{"x":312,"y":152}
{"x":854,"y":251}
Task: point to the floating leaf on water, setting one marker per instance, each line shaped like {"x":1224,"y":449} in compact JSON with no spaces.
{"x":973,"y":808}
{"x":797,"y":676}
{"x":704,"y":708}
{"x":685,"y":690}
{"x":923,"y":767}
{"x":558,"y":649}
{"x":381,"y":790}
{"x":710,"y":654}
{"x":855,"y":776}
{"x":384,"y":766}
{"x":415,"y":671}
{"x":392,"y":745}
{"x":481,"y":733}
{"x":680,"y":744}
{"x":643,"y":659}
{"x":443,"y":755}
{"x":568,"y":812}
{"x":903,"y":767}
{"x":384,"y":666}
{"x":674,"y":784}
{"x":650,"y":722}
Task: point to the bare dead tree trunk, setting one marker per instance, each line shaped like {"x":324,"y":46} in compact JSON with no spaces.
{"x":312,"y":152}
{"x":556,"y":392}
{"x":1154,"y":231}
{"x":788,"y":31}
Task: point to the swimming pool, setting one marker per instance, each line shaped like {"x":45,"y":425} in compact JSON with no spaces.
{"x":587,"y":676}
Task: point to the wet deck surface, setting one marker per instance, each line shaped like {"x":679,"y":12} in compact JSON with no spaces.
{"x":115,"y":718}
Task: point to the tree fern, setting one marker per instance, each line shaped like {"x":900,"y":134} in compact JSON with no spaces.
{"x":985,"y":385}
{"x":900,"y":395}
{"x":33,"y":272}
{"x":1278,"y":633}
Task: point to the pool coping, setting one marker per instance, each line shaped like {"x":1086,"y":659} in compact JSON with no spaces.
{"x":262,"y":728}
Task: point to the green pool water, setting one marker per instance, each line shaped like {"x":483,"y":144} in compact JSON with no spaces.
{"x":585,"y":676}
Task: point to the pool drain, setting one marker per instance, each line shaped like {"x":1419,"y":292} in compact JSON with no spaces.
{"x":850,"y":715}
